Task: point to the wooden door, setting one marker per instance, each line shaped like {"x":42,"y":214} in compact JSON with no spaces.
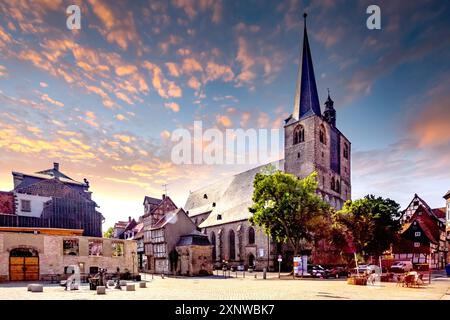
{"x":24,"y":268}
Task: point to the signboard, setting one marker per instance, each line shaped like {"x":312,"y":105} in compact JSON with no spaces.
{"x":280,"y":258}
{"x":300,"y":265}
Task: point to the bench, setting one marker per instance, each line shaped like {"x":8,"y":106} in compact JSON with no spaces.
{"x":142,"y":284}
{"x":131,"y":287}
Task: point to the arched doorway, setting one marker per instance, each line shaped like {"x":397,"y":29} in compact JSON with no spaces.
{"x":251,"y":260}
{"x":23,"y":264}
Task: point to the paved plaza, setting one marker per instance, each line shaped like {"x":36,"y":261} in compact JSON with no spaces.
{"x":249,"y":288}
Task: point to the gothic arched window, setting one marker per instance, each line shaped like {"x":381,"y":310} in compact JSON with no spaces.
{"x":251,"y":235}
{"x":232,"y":247}
{"x":213,"y":242}
{"x":322,"y":135}
{"x":333,"y":184}
{"x":299,"y":134}
{"x":338,"y":186}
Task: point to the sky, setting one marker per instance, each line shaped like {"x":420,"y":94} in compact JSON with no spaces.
{"x":104,"y":101}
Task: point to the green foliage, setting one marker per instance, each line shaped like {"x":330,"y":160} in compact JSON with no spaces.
{"x":288,"y":208}
{"x":108,"y":233}
{"x":373,"y":223}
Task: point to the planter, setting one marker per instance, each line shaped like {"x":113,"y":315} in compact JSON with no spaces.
{"x":358,"y":281}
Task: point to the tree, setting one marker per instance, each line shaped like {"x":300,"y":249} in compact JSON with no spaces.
{"x":108,"y":233}
{"x":288,"y":209}
{"x":373,"y":223}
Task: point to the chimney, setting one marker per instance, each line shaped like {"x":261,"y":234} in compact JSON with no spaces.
{"x":56,"y":166}
{"x":164,"y":196}
{"x":129,"y":219}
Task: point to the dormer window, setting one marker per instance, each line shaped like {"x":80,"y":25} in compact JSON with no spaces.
{"x":219,"y":217}
{"x":205,"y":196}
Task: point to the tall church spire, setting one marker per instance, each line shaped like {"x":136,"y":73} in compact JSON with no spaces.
{"x":306,"y":99}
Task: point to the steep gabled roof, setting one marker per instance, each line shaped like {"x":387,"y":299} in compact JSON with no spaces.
{"x":232,"y":197}
{"x":53,"y":188}
{"x":151,"y":200}
{"x":169,"y":217}
{"x":425,"y":222}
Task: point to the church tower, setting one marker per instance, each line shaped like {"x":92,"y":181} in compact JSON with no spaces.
{"x":312,"y":141}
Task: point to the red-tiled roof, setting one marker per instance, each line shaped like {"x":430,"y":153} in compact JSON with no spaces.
{"x":426,"y":223}
{"x":439,"y":212}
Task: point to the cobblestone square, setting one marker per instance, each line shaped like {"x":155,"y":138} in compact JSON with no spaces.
{"x":249,"y":288}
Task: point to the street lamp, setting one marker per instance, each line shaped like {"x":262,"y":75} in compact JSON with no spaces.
{"x":133,"y":254}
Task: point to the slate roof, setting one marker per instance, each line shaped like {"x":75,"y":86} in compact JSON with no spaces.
{"x":54,"y":188}
{"x":306,"y":98}
{"x":195,"y":238}
{"x":232,"y":196}
{"x":151,"y":200}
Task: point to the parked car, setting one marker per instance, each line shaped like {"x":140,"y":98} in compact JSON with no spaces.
{"x":338,"y":272}
{"x":362,"y":268}
{"x":317,"y":271}
{"x":402,"y":266}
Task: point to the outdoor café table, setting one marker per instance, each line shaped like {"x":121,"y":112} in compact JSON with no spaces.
{"x":94,"y":283}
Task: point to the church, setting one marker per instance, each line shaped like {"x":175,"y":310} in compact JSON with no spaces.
{"x":312,"y":142}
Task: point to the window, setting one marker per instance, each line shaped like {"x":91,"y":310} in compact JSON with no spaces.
{"x":322,"y":135}
{"x":117,"y":249}
{"x":157,"y":235}
{"x":70,"y":247}
{"x":251,"y":235}
{"x":213,"y":242}
{"x":159,"y":250}
{"x":232,"y":245}
{"x":333,"y":184}
{"x":299,"y":134}
{"x":338,"y":186}
{"x":25,"y":205}
{"x":416,"y":203}
{"x":417,"y":234}
{"x":416,"y":244}
{"x":346,"y":151}
{"x":219,"y":217}
{"x":95,"y":248}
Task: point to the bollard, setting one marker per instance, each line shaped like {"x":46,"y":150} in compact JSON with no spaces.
{"x":264,"y":273}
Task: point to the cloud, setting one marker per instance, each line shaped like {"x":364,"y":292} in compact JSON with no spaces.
{"x":126,"y":70}
{"x":43,"y":84}
{"x":174,"y":71}
{"x":120,"y":117}
{"x":194,"y":83}
{"x":216,"y":71}
{"x":164,"y":87}
{"x":191,"y":65}
{"x":46,"y":98}
{"x":165,"y":134}
{"x":192,"y":8}
{"x":224,"y":121}
{"x":90,"y":119}
{"x":172,"y":106}
{"x":3,"y":71}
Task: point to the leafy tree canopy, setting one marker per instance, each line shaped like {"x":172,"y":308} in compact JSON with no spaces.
{"x":372,"y":222}
{"x":108,"y":233}
{"x":288,"y":208}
